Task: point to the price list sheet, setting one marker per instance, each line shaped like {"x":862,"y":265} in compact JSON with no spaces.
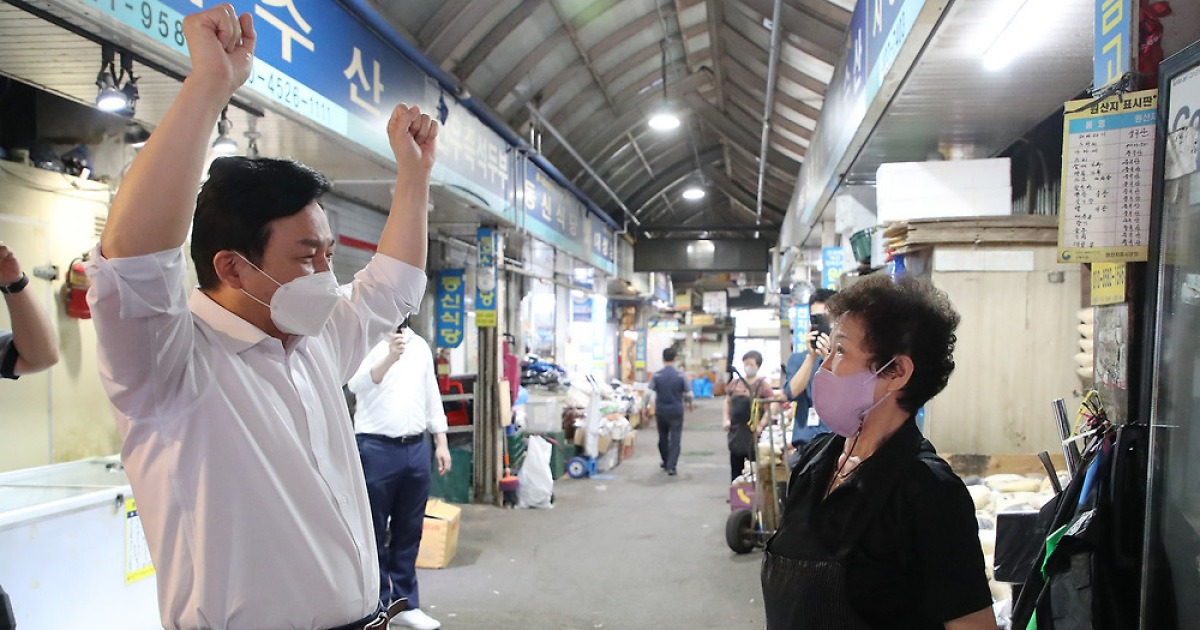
{"x":1108,"y":174}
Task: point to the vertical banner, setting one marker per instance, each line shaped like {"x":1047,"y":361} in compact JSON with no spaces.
{"x":639,"y":357}
{"x":1113,"y":41}
{"x":485,"y":279}
{"x":450,"y":308}
{"x":833,"y":264}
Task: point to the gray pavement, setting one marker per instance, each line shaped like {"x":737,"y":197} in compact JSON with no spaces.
{"x":640,"y":550}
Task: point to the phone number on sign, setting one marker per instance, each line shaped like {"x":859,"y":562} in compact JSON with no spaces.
{"x":284,"y":89}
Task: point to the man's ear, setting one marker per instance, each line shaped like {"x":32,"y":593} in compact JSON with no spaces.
{"x":900,"y":372}
{"x":229,"y":267}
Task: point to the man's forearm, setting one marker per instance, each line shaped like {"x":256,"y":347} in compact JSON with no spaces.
{"x":154,"y":205}
{"x":405,"y":236}
{"x":440,"y":440}
{"x":380,"y":369}
{"x":32,"y":333}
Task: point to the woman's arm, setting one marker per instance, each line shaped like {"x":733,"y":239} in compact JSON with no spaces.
{"x":982,"y":619}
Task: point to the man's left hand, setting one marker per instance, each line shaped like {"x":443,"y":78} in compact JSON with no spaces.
{"x":10,"y":269}
{"x":443,"y":460}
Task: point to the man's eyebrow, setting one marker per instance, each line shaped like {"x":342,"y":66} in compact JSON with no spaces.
{"x":316,"y":242}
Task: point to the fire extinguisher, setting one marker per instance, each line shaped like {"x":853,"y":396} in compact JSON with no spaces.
{"x":75,"y":290}
{"x":442,"y":366}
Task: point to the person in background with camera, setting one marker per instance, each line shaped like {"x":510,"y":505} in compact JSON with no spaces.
{"x":31,"y":345}
{"x":801,"y":366}
{"x":398,"y":404}
{"x":739,"y":400}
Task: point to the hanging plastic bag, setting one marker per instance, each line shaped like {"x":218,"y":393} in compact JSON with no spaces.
{"x":537,"y":482}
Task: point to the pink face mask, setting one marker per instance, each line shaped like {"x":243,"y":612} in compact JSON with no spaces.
{"x":843,"y":402}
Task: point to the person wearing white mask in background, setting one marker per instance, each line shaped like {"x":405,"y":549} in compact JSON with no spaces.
{"x":743,"y":441}
{"x":877,"y":530}
{"x":237,"y":440}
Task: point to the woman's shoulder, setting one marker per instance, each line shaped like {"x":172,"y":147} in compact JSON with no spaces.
{"x":931,"y":478}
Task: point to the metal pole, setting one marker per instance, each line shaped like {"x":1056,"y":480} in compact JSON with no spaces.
{"x":582,"y":162}
{"x":772,"y":62}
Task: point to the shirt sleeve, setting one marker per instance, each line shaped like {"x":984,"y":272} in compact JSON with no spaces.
{"x":949,"y":559}
{"x":145,"y":333}
{"x":380,"y":297}
{"x":795,"y":362}
{"x":8,"y":356}
{"x":362,"y":382}
{"x":653,"y":384}
{"x":433,"y":395}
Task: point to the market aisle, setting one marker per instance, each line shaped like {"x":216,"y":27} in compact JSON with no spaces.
{"x":641,"y":550}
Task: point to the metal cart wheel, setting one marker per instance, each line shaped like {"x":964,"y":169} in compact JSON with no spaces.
{"x":739,"y":531}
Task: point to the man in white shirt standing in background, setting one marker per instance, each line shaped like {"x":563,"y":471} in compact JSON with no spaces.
{"x":398,"y":403}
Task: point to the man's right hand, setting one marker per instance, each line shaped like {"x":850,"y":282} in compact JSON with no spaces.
{"x":10,"y":268}
{"x":221,"y":45}
{"x":396,"y":346}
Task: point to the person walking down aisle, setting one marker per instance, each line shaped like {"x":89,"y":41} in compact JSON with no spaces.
{"x":398,"y":402}
{"x":237,"y":441}
{"x":669,"y":386}
{"x":877,"y":531}
{"x":31,"y":345}
{"x":736,"y":415}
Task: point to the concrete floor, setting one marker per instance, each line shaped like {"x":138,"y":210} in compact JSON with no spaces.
{"x":640,"y":550}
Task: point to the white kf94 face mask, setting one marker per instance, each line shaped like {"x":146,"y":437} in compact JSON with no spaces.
{"x":302,"y":306}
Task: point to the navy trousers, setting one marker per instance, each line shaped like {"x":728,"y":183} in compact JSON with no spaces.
{"x":398,"y":487}
{"x":670,"y":431}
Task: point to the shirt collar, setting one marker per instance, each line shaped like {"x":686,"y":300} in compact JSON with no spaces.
{"x":237,"y":334}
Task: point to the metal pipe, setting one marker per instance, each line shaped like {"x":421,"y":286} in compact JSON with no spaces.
{"x":361,"y":9}
{"x":582,"y":162}
{"x":768,"y":105}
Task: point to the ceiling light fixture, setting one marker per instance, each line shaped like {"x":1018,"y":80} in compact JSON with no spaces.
{"x":663,"y":118}
{"x":252,"y":136}
{"x":224,"y":144}
{"x":693,"y":193}
{"x":109,"y":98}
{"x":1025,"y":25}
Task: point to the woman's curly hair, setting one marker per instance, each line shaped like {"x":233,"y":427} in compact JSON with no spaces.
{"x":906,"y":316}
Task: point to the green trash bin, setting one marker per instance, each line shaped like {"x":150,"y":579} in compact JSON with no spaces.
{"x":560,"y":450}
{"x":455,"y":487}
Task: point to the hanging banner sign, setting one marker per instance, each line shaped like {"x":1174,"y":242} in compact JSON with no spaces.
{"x":833,"y":265}
{"x":1113,"y":51}
{"x":320,"y":63}
{"x":639,"y":357}
{"x":1108,"y":175}
{"x":450,"y":315}
{"x":801,"y":320}
{"x":485,"y":279}
{"x":557,"y":217}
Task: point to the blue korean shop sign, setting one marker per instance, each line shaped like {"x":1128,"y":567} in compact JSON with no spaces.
{"x":485,"y":279}
{"x":450,"y":313}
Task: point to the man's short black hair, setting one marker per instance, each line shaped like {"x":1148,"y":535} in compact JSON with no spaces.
{"x":669,"y":355}
{"x":753,"y":354}
{"x":909,"y":317}
{"x":821,"y":296}
{"x":241,"y":196}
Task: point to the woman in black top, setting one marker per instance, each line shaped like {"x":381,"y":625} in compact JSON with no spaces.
{"x":877,"y":531}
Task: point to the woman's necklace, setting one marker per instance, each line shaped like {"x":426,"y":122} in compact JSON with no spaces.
{"x":846,"y":465}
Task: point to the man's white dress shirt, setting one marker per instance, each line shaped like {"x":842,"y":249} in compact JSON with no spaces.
{"x":240,"y":449}
{"x":407,"y":401}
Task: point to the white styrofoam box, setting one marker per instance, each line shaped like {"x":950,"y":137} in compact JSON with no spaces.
{"x":934,"y":190}
{"x":983,"y":260}
{"x":543,"y":415}
{"x":851,"y":215}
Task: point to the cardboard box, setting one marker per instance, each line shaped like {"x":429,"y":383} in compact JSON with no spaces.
{"x":439,"y":537}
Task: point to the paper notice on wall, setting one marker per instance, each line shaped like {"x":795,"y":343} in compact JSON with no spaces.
{"x":1108,"y":174}
{"x":137,"y":553}
{"x":1108,"y":283}
{"x":1183,"y":124}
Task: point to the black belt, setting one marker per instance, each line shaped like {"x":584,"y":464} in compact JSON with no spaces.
{"x":377,"y":620}
{"x":403,"y":439}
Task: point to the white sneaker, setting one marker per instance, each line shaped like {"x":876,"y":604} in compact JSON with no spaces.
{"x":416,"y":618}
